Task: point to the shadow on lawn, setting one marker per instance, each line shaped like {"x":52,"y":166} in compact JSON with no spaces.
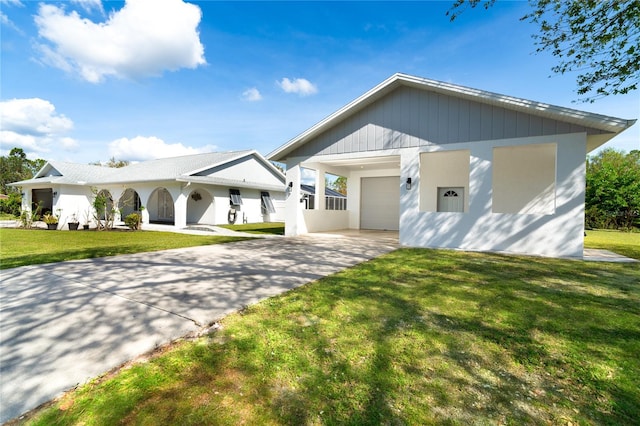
{"x":417,"y":337}
{"x":529,"y":340}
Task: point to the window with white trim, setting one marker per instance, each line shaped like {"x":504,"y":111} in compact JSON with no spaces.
{"x":234,"y":197}
{"x":266,"y":203}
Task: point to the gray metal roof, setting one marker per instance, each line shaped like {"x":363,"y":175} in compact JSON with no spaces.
{"x":311,"y":190}
{"x":64,"y":173}
{"x":607,"y":124}
{"x":163,"y":169}
{"x":172,"y":168}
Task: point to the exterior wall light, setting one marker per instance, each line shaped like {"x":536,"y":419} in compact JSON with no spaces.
{"x":408,"y":185}
{"x":55,"y":194}
{"x":291,"y":184}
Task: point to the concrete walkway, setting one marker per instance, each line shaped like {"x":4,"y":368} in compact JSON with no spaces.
{"x":64,"y":323}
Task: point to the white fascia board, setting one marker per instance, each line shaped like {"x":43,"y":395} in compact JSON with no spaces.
{"x":586,"y":119}
{"x":230,"y":183}
{"x":253,"y":153}
{"x":583,"y":118}
{"x":279,"y":153}
{"x":211,"y":166}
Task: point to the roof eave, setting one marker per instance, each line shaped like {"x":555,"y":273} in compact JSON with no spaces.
{"x":597,"y":121}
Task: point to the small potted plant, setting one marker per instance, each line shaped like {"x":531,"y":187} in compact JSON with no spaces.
{"x":73,"y":223}
{"x":51,"y":221}
{"x":87,"y":216}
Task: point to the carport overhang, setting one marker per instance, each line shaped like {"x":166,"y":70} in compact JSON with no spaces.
{"x":353,"y":167}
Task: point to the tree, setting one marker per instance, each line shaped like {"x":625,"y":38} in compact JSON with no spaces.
{"x":112,"y":162}
{"x":599,"y":39}
{"x":15,"y":167}
{"x":340,"y":185}
{"x":612,"y":198}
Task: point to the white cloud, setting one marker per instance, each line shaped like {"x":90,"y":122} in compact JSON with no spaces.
{"x":4,"y":19}
{"x":144,"y":38}
{"x":143,"y":148}
{"x":252,"y":95}
{"x":34,"y":125}
{"x":8,"y":23}
{"x":308,"y":176}
{"x":33,"y":116}
{"x":89,"y":5}
{"x":301,"y":86}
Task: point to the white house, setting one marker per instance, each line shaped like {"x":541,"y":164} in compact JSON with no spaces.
{"x":451,"y":167}
{"x":213,"y":188}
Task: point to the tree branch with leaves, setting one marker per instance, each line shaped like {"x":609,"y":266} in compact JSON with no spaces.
{"x":600,"y":40}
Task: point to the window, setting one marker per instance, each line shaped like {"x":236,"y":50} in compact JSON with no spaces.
{"x":234,"y":197}
{"x":266,"y":203}
{"x":335,"y":203}
{"x":309,"y":201}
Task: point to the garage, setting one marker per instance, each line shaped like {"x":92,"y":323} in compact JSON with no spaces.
{"x":380,"y":203}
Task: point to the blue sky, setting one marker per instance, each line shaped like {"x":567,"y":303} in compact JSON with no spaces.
{"x":85,"y":80}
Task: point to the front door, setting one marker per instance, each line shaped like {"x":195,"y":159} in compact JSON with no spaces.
{"x":451,"y":199}
{"x":165,"y":206}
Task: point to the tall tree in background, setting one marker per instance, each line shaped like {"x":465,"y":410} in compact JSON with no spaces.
{"x":15,"y":167}
{"x":612,"y":198}
{"x":340,"y":185}
{"x":599,"y":39}
{"x":112,"y":162}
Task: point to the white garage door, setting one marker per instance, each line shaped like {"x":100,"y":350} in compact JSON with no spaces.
{"x":380,"y":203}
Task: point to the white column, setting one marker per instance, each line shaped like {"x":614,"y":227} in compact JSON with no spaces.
{"x":180,"y":208}
{"x":294,"y":220}
{"x":320,"y":187}
{"x":409,"y":198}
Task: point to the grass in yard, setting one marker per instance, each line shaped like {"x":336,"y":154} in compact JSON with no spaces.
{"x":258,"y":228}
{"x":413,"y":337}
{"x":624,"y":243}
{"x":20,"y":247}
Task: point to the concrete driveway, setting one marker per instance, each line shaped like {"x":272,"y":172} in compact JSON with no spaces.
{"x":64,"y":323}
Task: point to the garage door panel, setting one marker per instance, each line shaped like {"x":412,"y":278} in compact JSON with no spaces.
{"x":380,"y":203}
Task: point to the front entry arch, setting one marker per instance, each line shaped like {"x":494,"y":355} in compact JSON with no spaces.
{"x":161,"y":206}
{"x":129,"y":203}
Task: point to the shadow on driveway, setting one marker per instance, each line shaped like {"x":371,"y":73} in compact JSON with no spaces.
{"x":65,"y":323}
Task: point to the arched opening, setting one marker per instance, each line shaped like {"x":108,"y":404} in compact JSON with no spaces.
{"x":160,"y":207}
{"x":200,"y":207}
{"x":129,"y":203}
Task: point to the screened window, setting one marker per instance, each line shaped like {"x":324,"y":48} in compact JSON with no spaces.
{"x":234,"y":197}
{"x":335,"y":203}
{"x":267,"y":203}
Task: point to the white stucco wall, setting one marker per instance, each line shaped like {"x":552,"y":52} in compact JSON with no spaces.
{"x":524,"y":179}
{"x":557,"y":234}
{"x":442,"y":169}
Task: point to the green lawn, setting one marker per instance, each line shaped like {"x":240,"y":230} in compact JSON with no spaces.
{"x":624,"y":243}
{"x":19,"y":247}
{"x":413,"y":337}
{"x":258,"y":228}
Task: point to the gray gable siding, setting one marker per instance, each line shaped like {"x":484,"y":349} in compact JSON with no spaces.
{"x":409,"y":117}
